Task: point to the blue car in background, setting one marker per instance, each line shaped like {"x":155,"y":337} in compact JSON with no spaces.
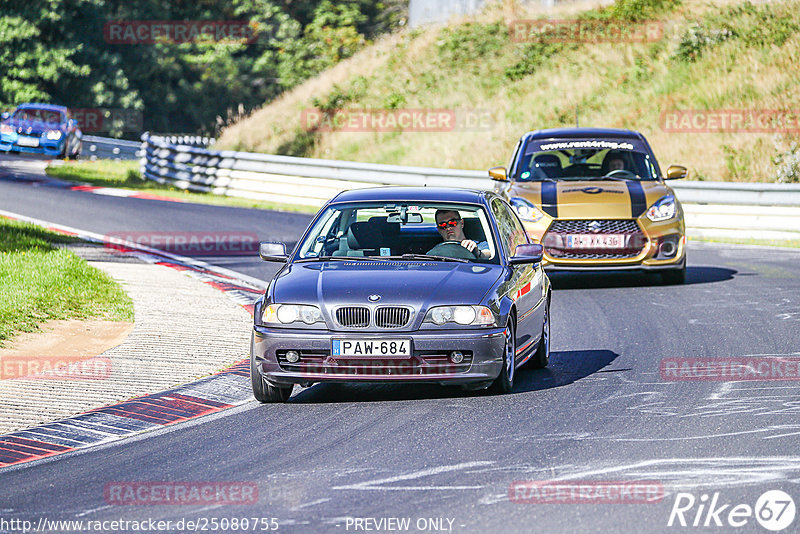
{"x":41,"y":129}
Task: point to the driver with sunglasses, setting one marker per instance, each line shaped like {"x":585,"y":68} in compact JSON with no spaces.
{"x":451,"y":228}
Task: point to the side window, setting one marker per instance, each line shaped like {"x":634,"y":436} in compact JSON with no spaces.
{"x":512,"y":233}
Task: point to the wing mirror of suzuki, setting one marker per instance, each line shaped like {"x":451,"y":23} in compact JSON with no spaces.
{"x":272,"y":251}
{"x":498,"y":174}
{"x":677,"y":172}
{"x":529,"y":253}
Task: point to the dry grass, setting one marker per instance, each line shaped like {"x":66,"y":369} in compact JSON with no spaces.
{"x":612,"y":85}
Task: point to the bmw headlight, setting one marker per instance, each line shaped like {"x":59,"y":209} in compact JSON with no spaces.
{"x":53,"y":135}
{"x":6,"y":129}
{"x":665,"y":208}
{"x":286,"y":314}
{"x":526,"y":210}
{"x":463,"y":315}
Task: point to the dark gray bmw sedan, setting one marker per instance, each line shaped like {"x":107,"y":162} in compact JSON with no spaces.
{"x":403,"y":284}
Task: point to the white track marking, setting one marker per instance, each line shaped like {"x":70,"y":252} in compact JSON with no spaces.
{"x":379,"y":484}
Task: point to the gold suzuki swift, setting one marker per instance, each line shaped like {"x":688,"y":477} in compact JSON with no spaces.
{"x":596,"y":200}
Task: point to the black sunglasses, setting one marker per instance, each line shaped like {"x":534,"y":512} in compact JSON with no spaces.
{"x":444,"y":224}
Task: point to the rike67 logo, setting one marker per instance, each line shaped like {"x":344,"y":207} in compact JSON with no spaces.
{"x":774,"y":510}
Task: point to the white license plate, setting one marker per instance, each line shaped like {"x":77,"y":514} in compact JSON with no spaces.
{"x":28,"y":141}
{"x":397,"y":348}
{"x":596,"y":241}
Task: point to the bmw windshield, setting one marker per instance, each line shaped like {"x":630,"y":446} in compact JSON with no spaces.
{"x":584,"y":160}
{"x":39,"y":115}
{"x":380,"y":231}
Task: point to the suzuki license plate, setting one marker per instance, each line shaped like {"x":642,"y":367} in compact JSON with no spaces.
{"x":593,"y":241}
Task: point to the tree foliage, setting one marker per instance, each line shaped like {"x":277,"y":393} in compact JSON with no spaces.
{"x":55,"y":51}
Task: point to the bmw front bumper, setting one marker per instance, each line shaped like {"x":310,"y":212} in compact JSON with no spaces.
{"x":46,"y":147}
{"x":482,"y":351}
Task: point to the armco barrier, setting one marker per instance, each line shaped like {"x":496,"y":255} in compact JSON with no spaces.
{"x":109,"y":148}
{"x":772,"y":208}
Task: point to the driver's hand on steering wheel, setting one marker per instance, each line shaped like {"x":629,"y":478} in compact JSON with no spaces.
{"x":472,"y":246}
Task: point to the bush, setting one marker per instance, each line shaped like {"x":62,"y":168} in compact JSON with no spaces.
{"x":642,"y":9}
{"x":697,"y":38}
{"x":472,"y":42}
{"x":788,"y":163}
{"x":533,"y":55}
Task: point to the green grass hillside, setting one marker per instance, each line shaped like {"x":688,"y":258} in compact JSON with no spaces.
{"x":713,"y":55}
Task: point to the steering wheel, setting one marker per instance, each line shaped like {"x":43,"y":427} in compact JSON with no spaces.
{"x":617,"y":172}
{"x":452,"y":249}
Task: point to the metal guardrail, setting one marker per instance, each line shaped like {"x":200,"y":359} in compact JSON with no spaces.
{"x":109,"y":148}
{"x":311,"y":182}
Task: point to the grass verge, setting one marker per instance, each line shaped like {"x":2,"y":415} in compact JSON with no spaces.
{"x":39,"y":282}
{"x":126,"y":175}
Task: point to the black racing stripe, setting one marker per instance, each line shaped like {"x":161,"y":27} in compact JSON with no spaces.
{"x":638,"y":199}
{"x":550,"y":198}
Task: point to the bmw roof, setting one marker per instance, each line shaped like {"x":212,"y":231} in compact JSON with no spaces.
{"x":412,"y":194}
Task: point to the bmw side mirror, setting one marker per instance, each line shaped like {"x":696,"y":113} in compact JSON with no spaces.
{"x":529,"y":253}
{"x":677,"y":172}
{"x":498,"y":174}
{"x":270,"y":251}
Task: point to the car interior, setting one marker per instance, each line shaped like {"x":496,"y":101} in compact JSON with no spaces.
{"x":379,"y":237}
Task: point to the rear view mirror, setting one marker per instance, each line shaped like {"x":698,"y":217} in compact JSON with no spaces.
{"x":404,"y":218}
{"x":272,"y":251}
{"x":5,"y":115}
{"x":529,"y":253}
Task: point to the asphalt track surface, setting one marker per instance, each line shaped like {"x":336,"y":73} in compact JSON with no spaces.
{"x":601,"y":412}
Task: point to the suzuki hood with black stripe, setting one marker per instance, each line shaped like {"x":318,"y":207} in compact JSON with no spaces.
{"x":596,"y":199}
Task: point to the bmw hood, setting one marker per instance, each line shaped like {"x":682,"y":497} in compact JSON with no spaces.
{"x":416,"y":284}
{"x":602,"y":199}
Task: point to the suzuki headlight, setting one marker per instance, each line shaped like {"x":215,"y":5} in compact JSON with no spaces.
{"x":526,"y":210}
{"x":463,"y":315}
{"x":285,"y":314}
{"x":665,"y":208}
{"x":53,"y":135}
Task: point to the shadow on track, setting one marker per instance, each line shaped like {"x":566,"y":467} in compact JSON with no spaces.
{"x":565,"y":368}
{"x":612,"y":279}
